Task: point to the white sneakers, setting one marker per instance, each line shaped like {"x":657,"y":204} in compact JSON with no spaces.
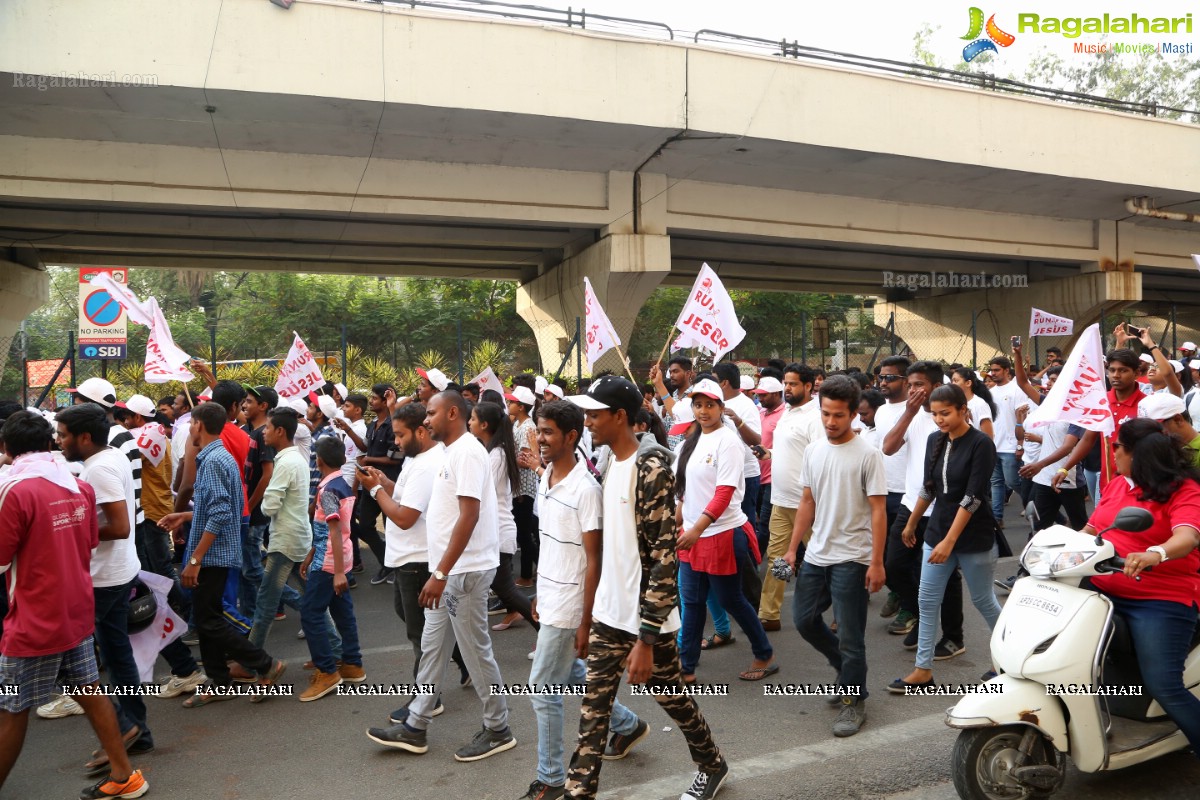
{"x":175,"y":686}
{"x":61,"y":706}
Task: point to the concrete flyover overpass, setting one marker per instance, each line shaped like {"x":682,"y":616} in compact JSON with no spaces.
{"x":385,"y":140}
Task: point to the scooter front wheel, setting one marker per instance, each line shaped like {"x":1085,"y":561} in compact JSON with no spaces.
{"x":983,"y":761}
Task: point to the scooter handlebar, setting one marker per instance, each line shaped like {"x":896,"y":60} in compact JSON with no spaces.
{"x":1117,"y":564}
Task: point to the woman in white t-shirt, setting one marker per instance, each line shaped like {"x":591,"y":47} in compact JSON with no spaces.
{"x":490,"y":424}
{"x":979,"y":399}
{"x":709,"y":483}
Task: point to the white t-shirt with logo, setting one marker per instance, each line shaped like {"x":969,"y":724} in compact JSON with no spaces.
{"x":716,"y":461}
{"x":1004,"y":427}
{"x":414,"y":489}
{"x":618,"y":602}
{"x":465,"y":472}
{"x":115,"y":562}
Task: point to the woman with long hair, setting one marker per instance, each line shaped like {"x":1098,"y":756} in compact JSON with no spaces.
{"x":490,"y":425}
{"x":961,"y":532}
{"x":979,"y":399}
{"x":709,"y":481}
{"x":1160,"y":608}
{"x":521,"y":403}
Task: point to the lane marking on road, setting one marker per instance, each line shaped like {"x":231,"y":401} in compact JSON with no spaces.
{"x":796,"y":757}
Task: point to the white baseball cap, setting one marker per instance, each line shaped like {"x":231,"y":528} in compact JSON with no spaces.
{"x":769,"y":385}
{"x":708,"y":388}
{"x":1194,"y":363}
{"x":555,"y":390}
{"x":341,"y":389}
{"x":522,"y":395}
{"x":1176,"y":365}
{"x":437,"y":379}
{"x":747,"y":383}
{"x":139,"y":404}
{"x":97,"y":390}
{"x":1160,"y":406}
{"x":1149,"y":359}
{"x":296,"y":403}
{"x":1188,"y":346}
{"x":540,"y":384}
{"x":683,"y":419}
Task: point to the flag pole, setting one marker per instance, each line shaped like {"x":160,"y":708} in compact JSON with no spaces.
{"x":188,"y":392}
{"x":670,"y":335}
{"x":625,"y":361}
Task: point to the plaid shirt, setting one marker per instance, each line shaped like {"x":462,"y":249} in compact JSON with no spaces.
{"x":314,"y":474}
{"x":218,"y":507}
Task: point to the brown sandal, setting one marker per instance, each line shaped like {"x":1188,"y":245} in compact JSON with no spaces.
{"x":758,"y":673}
{"x":716,"y":640}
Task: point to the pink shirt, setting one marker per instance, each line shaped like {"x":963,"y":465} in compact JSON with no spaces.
{"x":769,"y":420}
{"x":47,"y":534}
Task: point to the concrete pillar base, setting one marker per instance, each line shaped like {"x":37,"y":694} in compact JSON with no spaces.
{"x":623,"y":268}
{"x":22,"y":291}
{"x":940,"y":328}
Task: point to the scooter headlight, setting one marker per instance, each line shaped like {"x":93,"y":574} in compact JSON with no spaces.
{"x":1043,"y":562}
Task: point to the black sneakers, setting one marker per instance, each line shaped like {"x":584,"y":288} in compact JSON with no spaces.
{"x":540,"y":791}
{"x":400,"y":737}
{"x":910,"y":641}
{"x":947,"y":648}
{"x":706,"y":785}
{"x":619,"y":745}
{"x":486,"y":743}
{"x":401,"y":714}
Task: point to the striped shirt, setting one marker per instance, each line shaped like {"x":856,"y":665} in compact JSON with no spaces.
{"x":218,"y":507}
{"x":314,"y":474}
{"x":126,"y":442}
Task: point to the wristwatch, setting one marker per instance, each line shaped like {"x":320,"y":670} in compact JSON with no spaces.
{"x":646,"y":637}
{"x":194,"y":563}
{"x":375,"y":490}
{"x":1162,"y":552}
{"x":438,"y":575}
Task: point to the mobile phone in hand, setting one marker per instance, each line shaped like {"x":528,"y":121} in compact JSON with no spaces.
{"x":1133,"y":330}
{"x":1015,"y":341}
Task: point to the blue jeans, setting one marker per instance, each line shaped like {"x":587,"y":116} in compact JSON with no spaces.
{"x":978,"y":570}
{"x":252,"y":568}
{"x":763,"y":529}
{"x":320,"y":600}
{"x":1005,"y":480}
{"x":1161,"y":632}
{"x":1093,"y":485}
{"x":276,"y":571}
{"x":112,"y":636}
{"x":750,"y":500}
{"x":693,"y":589}
{"x":842,"y":586}
{"x":555,"y":664}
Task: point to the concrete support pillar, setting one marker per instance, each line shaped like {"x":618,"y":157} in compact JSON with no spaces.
{"x":22,"y":291}
{"x":940,"y":327}
{"x":623,"y":268}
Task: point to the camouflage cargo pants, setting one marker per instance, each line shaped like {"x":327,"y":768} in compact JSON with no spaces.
{"x":608,"y":651}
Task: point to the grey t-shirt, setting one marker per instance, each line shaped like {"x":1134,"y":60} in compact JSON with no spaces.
{"x":841,"y":477}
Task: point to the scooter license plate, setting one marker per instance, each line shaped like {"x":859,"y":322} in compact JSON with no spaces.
{"x":1041,"y":604}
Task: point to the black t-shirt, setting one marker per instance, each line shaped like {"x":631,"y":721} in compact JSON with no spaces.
{"x":381,"y":443}
{"x":961,"y":471}
{"x":258,"y":455}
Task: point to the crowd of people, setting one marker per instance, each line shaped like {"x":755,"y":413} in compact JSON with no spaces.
{"x":616,"y":521}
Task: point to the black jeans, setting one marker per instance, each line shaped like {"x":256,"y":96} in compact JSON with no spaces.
{"x":112,"y":637}
{"x":219,"y":642}
{"x":1048,"y":502}
{"x":506,"y":589}
{"x":903,"y":567}
{"x":527,"y":534}
{"x":410,"y":580}
{"x":366,"y":515}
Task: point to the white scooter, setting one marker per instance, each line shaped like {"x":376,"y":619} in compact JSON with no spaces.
{"x":1052,"y":633}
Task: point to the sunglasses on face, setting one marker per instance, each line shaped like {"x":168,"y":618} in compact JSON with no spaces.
{"x":890,"y":378}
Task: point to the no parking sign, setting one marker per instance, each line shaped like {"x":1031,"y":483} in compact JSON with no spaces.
{"x":102,"y":330}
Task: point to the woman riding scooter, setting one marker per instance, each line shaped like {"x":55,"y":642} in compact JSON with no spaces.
{"x":1161,"y":608}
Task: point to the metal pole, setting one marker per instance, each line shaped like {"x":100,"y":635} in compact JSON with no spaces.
{"x":1174,"y":331}
{"x":104,"y":368}
{"x":892,"y":325}
{"x":578,"y":350}
{"x":71,"y":356}
{"x":458,"y":326}
{"x":974,"y":340}
{"x":343,"y":354}
{"x":803,"y":337}
{"x":24,"y":367}
{"x":1035,"y":352}
{"x":393,"y":353}
{"x":212,"y":344}
{"x":792,"y":342}
{"x":1103,"y":328}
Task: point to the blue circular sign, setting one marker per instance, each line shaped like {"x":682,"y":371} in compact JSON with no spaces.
{"x":89,"y":351}
{"x":100,"y":308}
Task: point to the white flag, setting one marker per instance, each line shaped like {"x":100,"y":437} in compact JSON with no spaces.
{"x":164,"y":360}
{"x":487,"y":381}
{"x":1043,"y":324}
{"x":708,"y":319}
{"x":166,"y":628}
{"x":138,"y":311}
{"x":152,"y":441}
{"x":300,"y":373}
{"x":1078,"y":395}
{"x":598,"y":331}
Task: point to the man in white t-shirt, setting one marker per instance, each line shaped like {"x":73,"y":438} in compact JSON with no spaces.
{"x":894,"y":387}
{"x":799,"y":425}
{"x":464,"y":551}
{"x":636,"y":611}
{"x":83,"y":432}
{"x":844,"y":504}
{"x":352,"y":421}
{"x":910,"y":433}
{"x":1007,"y":395}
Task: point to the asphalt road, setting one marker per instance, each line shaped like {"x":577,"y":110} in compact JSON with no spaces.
{"x":777,"y":747}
